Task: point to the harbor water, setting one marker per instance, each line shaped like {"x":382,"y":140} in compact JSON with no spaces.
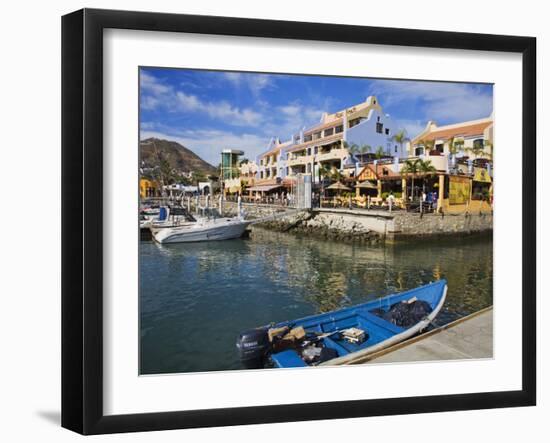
{"x":195,"y":298}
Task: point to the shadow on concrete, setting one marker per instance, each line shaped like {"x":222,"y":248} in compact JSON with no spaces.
{"x":54,"y":417}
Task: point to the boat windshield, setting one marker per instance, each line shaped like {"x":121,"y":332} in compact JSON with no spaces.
{"x":177,"y":210}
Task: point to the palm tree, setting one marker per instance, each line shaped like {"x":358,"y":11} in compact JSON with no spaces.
{"x":335,"y":174}
{"x":410,"y":167}
{"x":427,"y":170}
{"x":324,"y":172}
{"x":353,"y":148}
{"x":379,"y":152}
{"x":363,"y":150}
{"x":401,"y":137}
{"x":415,"y":167}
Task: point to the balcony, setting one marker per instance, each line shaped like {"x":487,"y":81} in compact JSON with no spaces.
{"x":333,"y":154}
{"x":300,"y":160}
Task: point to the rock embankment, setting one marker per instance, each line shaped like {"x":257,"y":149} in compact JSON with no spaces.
{"x":325,"y":226}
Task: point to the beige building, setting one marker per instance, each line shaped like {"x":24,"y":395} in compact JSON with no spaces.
{"x":472,"y":138}
{"x":326,"y":144}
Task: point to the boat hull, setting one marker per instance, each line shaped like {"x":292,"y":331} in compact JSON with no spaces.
{"x":380,"y":332}
{"x":208,"y":232}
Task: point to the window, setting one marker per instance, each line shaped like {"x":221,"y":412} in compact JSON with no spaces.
{"x":308,"y":151}
{"x":480,"y":191}
{"x":339,"y":129}
{"x":387,"y":131}
{"x":261,"y":174}
{"x":307,"y":138}
{"x":315,"y":149}
{"x":478,"y":143}
{"x":329,"y":131}
{"x":418,"y":151}
{"x":379,"y":127}
{"x":395,"y":149}
{"x":317,"y":135}
{"x":309,"y":168}
{"x":439,"y":147}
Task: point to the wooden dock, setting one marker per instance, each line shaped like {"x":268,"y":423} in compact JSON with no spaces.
{"x":466,"y":338}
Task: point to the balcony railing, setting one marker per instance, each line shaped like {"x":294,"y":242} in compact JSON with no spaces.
{"x":334,"y":153}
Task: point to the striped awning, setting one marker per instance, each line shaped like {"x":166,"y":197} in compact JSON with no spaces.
{"x":263,"y":188}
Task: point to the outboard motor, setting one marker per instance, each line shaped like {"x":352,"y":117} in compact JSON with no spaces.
{"x":253,"y":346}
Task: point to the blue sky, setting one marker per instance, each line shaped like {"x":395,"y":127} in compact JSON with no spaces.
{"x":207,"y":111}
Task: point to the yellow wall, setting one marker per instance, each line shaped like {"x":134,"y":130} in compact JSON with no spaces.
{"x":144,"y":185}
{"x":474,"y":206}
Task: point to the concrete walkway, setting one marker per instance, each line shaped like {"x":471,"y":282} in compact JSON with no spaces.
{"x":470,"y":337}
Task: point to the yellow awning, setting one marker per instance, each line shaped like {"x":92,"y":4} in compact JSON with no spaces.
{"x":481,"y":175}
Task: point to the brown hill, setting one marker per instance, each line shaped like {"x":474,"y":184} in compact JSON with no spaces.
{"x":179,"y":157}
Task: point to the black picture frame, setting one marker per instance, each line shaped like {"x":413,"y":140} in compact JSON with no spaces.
{"x":82,"y":259}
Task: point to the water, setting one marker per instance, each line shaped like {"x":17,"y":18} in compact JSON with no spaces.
{"x":195,"y":298}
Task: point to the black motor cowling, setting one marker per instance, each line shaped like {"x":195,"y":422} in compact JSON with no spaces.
{"x":253,"y":346}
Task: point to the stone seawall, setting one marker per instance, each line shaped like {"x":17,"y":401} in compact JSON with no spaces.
{"x":326,"y":226}
{"x":406,"y":225}
{"x":253,"y":211}
{"x":365,"y":226}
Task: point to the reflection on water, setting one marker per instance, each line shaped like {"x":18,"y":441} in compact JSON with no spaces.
{"x":195,"y":298}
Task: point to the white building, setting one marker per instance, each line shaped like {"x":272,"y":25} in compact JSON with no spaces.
{"x":363,"y":126}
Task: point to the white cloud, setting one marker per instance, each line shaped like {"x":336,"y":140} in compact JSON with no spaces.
{"x":255,"y":82}
{"x":151,"y":84}
{"x":292,"y":117}
{"x":156,"y":94}
{"x":413,"y":127}
{"x":232,"y":115}
{"x":451,"y":102}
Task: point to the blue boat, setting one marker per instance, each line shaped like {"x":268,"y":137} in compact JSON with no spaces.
{"x":343,"y":336}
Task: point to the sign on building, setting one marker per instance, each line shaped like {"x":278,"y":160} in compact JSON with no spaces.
{"x":459,"y":190}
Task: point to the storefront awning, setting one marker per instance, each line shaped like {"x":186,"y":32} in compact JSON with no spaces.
{"x":481,"y":175}
{"x":263,"y":188}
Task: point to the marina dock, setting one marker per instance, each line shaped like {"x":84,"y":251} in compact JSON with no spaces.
{"x":466,"y":338}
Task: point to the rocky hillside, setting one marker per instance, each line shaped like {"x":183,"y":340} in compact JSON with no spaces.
{"x":180,"y":159}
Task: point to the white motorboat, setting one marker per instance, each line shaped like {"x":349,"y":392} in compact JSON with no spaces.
{"x":168,"y":217}
{"x":202,"y":230}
